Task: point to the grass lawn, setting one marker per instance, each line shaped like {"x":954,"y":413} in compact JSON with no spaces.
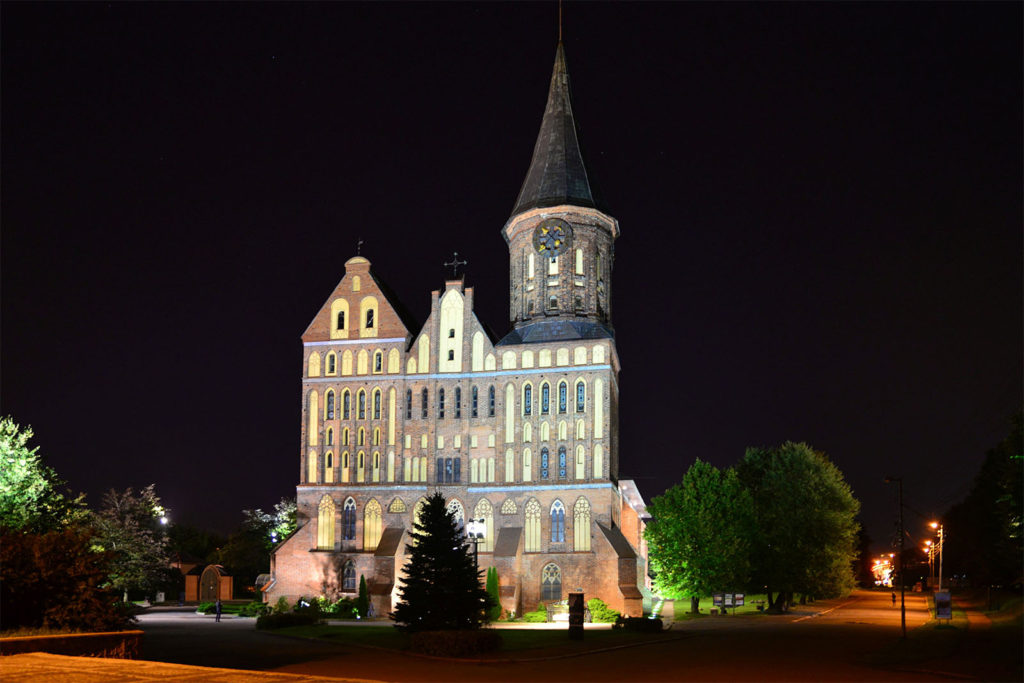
{"x":531,"y":642}
{"x":708,"y":604}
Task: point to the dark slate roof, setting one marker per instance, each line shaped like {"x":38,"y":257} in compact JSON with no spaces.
{"x":389,"y":540}
{"x":508,"y":541}
{"x":557,"y":173}
{"x":617,"y":541}
{"x":556,"y":330}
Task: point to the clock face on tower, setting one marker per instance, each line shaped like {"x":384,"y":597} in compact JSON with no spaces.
{"x":552,"y":237}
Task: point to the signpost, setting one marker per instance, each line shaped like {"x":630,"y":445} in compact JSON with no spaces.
{"x":943,"y":605}
{"x":576,"y":613}
{"x":726,"y":600}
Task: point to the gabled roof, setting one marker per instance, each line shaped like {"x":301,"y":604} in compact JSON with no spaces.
{"x":556,"y":330}
{"x":557,"y":173}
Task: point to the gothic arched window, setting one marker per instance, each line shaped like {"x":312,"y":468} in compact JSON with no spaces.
{"x":551,"y":583}
{"x":458,"y":402}
{"x":490,"y":402}
{"x":369,"y":319}
{"x":440,"y":404}
{"x":557,"y":522}
{"x":561,"y":462}
{"x":528,"y":400}
{"x":378,"y":361}
{"x":581,"y":525}
{"x":544,"y":463}
{"x":474,"y":399}
{"x":408,"y":404}
{"x":371,"y":525}
{"x":423,"y":404}
{"x":331,"y":363}
{"x":348,"y":520}
{"x":325,"y":524}
{"x":532,"y":530}
{"x":563,"y":389}
{"x":581,"y":396}
{"x":376,"y":404}
{"x":361,"y":405}
{"x":329,"y":405}
{"x":341,"y":320}
{"x":348,"y":577}
{"x":345,"y":405}
{"x":545,"y":398}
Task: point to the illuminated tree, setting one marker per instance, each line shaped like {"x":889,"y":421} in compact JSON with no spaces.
{"x":246,"y":553}
{"x":441,"y":588}
{"x":805,"y":512}
{"x":32,"y":496}
{"x":699,"y":538}
{"x":131,"y":527}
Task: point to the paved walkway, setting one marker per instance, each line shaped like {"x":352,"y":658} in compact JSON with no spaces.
{"x":39,"y":666}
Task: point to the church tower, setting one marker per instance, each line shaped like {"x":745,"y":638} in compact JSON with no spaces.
{"x":560,"y":235}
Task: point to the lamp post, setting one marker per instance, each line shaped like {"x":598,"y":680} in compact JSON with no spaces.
{"x":929,"y":548}
{"x":476,"y":531}
{"x":942,"y":542}
{"x":899,"y":503}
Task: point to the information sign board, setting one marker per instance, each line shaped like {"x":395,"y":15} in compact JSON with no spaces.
{"x":943,"y":605}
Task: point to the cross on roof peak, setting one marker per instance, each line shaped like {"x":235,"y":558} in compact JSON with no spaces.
{"x":454,"y":264}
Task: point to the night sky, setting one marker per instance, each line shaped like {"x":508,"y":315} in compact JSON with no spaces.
{"x":820,"y":209}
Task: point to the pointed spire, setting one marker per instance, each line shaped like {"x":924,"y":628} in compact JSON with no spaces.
{"x":557,"y":173}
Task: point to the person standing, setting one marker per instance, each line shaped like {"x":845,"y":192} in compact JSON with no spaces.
{"x":217,"y":609}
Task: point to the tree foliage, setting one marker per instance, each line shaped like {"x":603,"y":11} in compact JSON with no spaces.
{"x":363,"y":598}
{"x":699,"y":538}
{"x":805,"y":513}
{"x":129,"y":527}
{"x":985,"y":531}
{"x":494,"y":612}
{"x":32,"y":496}
{"x":52,"y":580}
{"x":246,"y":553}
{"x":441,"y":587}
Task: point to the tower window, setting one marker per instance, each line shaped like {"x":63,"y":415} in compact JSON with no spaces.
{"x":553,"y":303}
{"x":330,"y":405}
{"x":544,"y":463}
{"x":563,"y":389}
{"x":331,"y":364}
{"x":529,"y":308}
{"x":579,"y":262}
{"x":545,"y":399}
{"x":553,"y":266}
{"x":451,"y":354}
{"x":341,"y":320}
{"x":528,"y":400}
{"x":408,"y":404}
{"x":458,"y":402}
{"x":490,"y":402}
{"x":376,"y":404}
{"x":361,"y":408}
{"x":345,"y":405}
{"x":440,"y":404}
{"x":579,"y":303}
{"x":473,"y":411}
{"x":378,"y":361}
{"x":561,"y":462}
{"x":369,"y":319}
{"x":581,"y":396}
{"x":451,"y":333}
{"x":423,"y":404}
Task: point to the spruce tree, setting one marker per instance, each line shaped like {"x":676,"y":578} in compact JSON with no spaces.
{"x":363,"y":601}
{"x":441,"y":587}
{"x":494,"y":612}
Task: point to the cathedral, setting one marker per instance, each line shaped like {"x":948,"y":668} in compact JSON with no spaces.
{"x":519,"y":432}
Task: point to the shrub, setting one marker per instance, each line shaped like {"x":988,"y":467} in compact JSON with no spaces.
{"x":638,"y":624}
{"x":205,"y":608}
{"x":539,"y":616}
{"x":494,"y":611}
{"x":363,"y":601}
{"x":282,"y":605}
{"x":283,"y":619}
{"x":601,"y":612}
{"x":455,"y":643}
{"x":253,"y":609}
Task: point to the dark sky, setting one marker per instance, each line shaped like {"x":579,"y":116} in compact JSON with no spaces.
{"x":820,"y":208}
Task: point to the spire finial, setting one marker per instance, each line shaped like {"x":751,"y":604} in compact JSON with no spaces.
{"x":454,"y":265}
{"x":559,"y":20}
{"x":359,"y":246}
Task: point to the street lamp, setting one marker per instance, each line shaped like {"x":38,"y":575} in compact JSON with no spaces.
{"x":929,"y":548}
{"x":476,"y":531}
{"x":942,"y":543}
{"x":899,"y":503}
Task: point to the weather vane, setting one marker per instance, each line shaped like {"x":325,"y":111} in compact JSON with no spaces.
{"x":454,"y":264}
{"x":359,"y":246}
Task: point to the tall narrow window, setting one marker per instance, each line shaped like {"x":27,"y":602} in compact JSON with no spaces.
{"x":331,"y":363}
{"x":440,"y":404}
{"x":408,"y":404}
{"x":553,"y":265}
{"x":563,"y":390}
{"x":544,"y":463}
{"x":345,"y":405}
{"x":456,"y":470}
{"x":490,"y":402}
{"x":528,"y":400}
{"x":423,"y":404}
{"x":581,"y":396}
{"x":561,"y":462}
{"x":581,"y":525}
{"x":330,"y":437}
{"x":341,"y":320}
{"x":451,"y":354}
{"x":371,"y":525}
{"x":474,"y":399}
{"x":557,"y":522}
{"x":361,"y":437}
{"x":344,"y":436}
{"x":458,"y":402}
{"x":551,"y":583}
{"x":376,"y":404}
{"x":348,"y":520}
{"x":325,"y":524}
{"x":378,"y":361}
{"x":579,"y":262}
{"x":369,"y":319}
{"x":451,"y":333}
{"x":440,"y":470}
{"x":545,"y":399}
{"x":330,"y":405}
{"x":532,"y":531}
{"x":361,"y":414}
{"x":348,"y":577}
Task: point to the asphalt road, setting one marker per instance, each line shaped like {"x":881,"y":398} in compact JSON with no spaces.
{"x":831,"y":640}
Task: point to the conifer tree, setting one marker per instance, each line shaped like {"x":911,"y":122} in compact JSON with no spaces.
{"x":494,"y":612}
{"x":441,"y":588}
{"x":363,"y":601}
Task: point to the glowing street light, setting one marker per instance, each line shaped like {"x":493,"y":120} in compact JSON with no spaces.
{"x":942,"y":542}
{"x":476,"y":531}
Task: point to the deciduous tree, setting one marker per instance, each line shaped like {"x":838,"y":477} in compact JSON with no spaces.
{"x":805,"y":513}
{"x":699,"y":538}
{"x":129,"y":526}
